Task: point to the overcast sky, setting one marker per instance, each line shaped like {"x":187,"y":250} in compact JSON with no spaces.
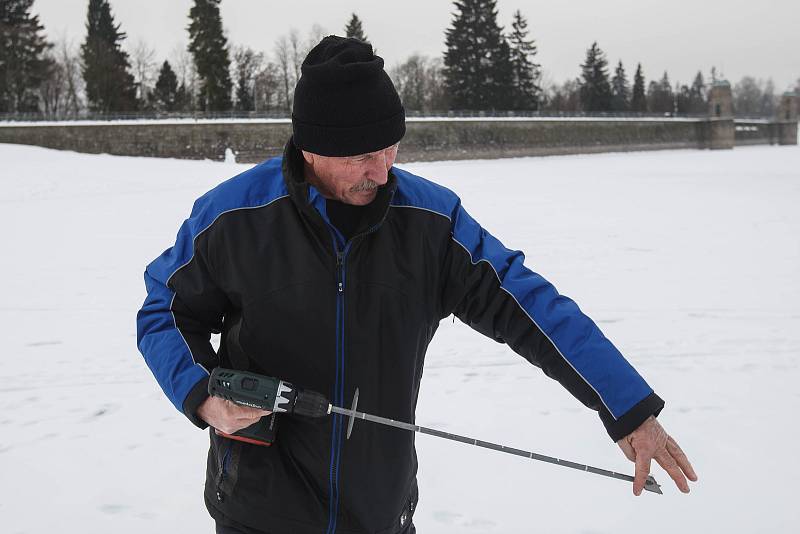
{"x":760,"y":38}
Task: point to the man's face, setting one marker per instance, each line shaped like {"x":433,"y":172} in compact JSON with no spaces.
{"x":351,"y":179}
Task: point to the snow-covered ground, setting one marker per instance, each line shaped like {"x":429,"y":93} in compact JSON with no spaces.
{"x":689,"y":261}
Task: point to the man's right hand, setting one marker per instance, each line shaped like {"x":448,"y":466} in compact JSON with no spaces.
{"x":228,"y":417}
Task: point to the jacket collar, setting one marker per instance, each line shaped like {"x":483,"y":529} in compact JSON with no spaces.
{"x":302,"y":196}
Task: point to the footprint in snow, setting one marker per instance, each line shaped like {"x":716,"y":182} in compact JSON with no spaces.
{"x":444,"y":516}
{"x":113,"y":508}
{"x":482,"y":524}
{"x":103,"y":410}
{"x":43,"y":343}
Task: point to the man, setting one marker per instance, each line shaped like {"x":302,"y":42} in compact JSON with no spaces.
{"x":331,"y":268}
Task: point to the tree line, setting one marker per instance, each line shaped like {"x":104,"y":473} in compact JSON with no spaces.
{"x":483,"y":69}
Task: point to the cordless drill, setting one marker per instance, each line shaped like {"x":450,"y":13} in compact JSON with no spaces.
{"x":265,"y":393}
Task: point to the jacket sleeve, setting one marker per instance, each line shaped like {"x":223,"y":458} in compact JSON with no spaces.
{"x":487,"y":287}
{"x":183,"y":307}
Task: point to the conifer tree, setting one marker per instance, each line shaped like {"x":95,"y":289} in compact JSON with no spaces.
{"x":638,"y":98}
{"x":110,"y":85}
{"x":697,"y":95}
{"x":620,"y":90}
{"x":595,"y":87}
{"x":23,"y":65}
{"x":209,"y":48}
{"x":355,"y":29}
{"x":165,"y":93}
{"x":183,"y":98}
{"x":683,"y":98}
{"x":667,"y":94}
{"x":659,"y":95}
{"x":525,"y":73}
{"x":478,"y":71}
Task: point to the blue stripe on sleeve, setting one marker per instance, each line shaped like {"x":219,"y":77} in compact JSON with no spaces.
{"x":575,"y":336}
{"x":161,"y":343}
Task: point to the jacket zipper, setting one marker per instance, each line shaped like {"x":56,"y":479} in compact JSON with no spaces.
{"x":222,"y":468}
{"x":339,"y":386}
{"x":341,"y":256}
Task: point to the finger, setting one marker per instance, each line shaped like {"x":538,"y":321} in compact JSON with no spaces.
{"x":683,"y":462}
{"x":245,"y":412}
{"x":250,"y":418}
{"x":627,"y":450}
{"x":642,"y":470}
{"x":668,"y":463}
{"x":240,"y":424}
{"x":250,"y":414}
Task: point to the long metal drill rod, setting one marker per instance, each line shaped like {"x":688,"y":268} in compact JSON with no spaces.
{"x":650,"y":483}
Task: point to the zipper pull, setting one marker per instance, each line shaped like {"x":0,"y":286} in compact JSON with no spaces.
{"x":339,"y":270}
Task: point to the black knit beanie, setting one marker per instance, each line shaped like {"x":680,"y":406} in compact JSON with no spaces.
{"x":344,"y":102}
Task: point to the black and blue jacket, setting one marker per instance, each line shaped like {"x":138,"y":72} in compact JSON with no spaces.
{"x":259,"y":262}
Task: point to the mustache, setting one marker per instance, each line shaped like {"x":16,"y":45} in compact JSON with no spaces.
{"x":366,"y":185}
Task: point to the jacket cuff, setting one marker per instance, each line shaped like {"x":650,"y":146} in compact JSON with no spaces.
{"x":630,"y":420}
{"x":194,"y":399}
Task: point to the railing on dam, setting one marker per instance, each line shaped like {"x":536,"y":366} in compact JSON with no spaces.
{"x":452,"y":135}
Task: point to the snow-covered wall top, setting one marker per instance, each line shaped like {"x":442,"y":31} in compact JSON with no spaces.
{"x":427,"y":139}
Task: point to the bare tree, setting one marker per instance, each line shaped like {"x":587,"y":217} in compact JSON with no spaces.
{"x":59,"y":93}
{"x":284,"y":60}
{"x":246,"y":63}
{"x":409,"y":78}
{"x":143,"y":59}
{"x":420,"y":83}
{"x":267,"y":88}
{"x":52,"y":90}
{"x":435,"y":89}
{"x":564,"y":97}
{"x":289,"y":52}
{"x":769,"y":102}
{"x":297,"y":52}
{"x":69,"y":57}
{"x":315,"y":35}
{"x":187,"y":76}
{"x":747,"y":95}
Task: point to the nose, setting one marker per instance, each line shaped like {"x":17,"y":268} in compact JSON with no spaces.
{"x":377,"y":169}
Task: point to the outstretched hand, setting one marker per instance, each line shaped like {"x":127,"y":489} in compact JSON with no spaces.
{"x":650,"y":441}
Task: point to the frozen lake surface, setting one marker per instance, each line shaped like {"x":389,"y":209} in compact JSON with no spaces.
{"x":688,"y":260}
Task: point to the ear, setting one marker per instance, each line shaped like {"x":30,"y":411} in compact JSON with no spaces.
{"x":308,"y":157}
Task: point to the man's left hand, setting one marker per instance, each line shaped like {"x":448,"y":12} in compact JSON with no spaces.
{"x":650,"y":441}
